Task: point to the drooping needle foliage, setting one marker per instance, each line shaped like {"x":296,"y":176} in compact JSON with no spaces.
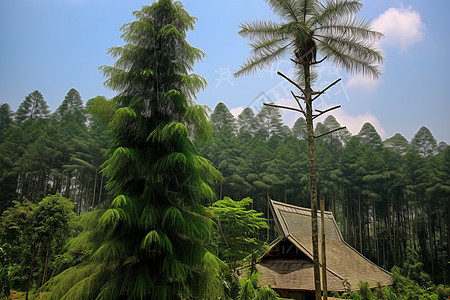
{"x":153,"y":236}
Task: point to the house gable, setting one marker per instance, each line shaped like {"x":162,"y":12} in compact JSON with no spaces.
{"x":288,"y":263}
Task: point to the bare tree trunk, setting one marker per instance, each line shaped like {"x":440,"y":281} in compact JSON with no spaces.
{"x":101,"y":190}
{"x":375,"y":232}
{"x":360,"y":223}
{"x":94,"y":190}
{"x":44,"y":275}
{"x":312,"y":179}
{"x":69,"y":179}
{"x":384,"y":244}
{"x":30,"y":273}
{"x":324,"y":254}
{"x":268,"y":200}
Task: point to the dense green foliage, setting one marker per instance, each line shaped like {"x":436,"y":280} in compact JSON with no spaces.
{"x":238,"y":228}
{"x":152,"y":241}
{"x":32,"y":108}
{"x":142,"y":230}
{"x":396,"y":191}
{"x":33,"y":235}
{"x":54,"y":155}
{"x":250,"y":290}
{"x":386,"y":195}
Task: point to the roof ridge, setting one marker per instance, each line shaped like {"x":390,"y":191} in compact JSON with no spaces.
{"x":292,"y":221}
{"x":299,"y":207}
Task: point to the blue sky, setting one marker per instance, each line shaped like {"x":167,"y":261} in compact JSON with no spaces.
{"x":56,"y":45}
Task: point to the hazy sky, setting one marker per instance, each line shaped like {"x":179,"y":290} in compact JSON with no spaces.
{"x":55,"y":45}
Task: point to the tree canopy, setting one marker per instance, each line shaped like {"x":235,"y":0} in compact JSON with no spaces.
{"x":154,"y":234}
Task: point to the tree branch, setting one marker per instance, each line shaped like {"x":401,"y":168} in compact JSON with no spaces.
{"x":321,"y":112}
{"x":285,"y":107}
{"x":314,"y":63}
{"x":298,"y":102}
{"x":320,"y":135}
{"x":320,"y":93}
{"x":318,"y":62}
{"x":297,"y":97}
{"x":291,"y":81}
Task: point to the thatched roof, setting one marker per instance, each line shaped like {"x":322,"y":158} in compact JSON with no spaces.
{"x":288,"y":263}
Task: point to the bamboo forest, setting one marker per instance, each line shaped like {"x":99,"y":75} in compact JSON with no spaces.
{"x":149,"y":195}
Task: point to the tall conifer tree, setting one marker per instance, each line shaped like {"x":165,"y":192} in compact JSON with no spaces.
{"x":223,"y":120}
{"x":152,"y":242}
{"x":247,"y":121}
{"x":72,"y":106}
{"x":270,"y":122}
{"x":398,"y":143}
{"x":299,"y":129}
{"x":6,"y":115}
{"x":33,"y":107}
{"x":424,"y":142}
{"x":369,"y":136}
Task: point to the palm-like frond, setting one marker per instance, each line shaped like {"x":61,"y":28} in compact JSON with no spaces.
{"x":260,"y":29}
{"x":287,"y":9}
{"x":333,"y":10}
{"x":67,"y":285}
{"x":259,"y":62}
{"x":350,"y":28}
{"x":329,"y":27}
{"x":352,"y":55}
{"x":262,"y":46}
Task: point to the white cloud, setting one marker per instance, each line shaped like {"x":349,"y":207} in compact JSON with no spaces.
{"x":401,"y":27}
{"x":362,"y":82}
{"x":236,"y":111}
{"x":354,"y":123}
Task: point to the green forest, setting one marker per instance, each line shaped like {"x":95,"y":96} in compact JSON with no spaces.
{"x":150,"y":196}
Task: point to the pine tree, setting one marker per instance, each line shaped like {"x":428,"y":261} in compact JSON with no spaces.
{"x":299,"y":129}
{"x":398,"y":143}
{"x":152,"y":238}
{"x":223,"y":121}
{"x":369,"y":136}
{"x":441,"y":147}
{"x":32,"y":108}
{"x":72,"y":106}
{"x":320,"y":129}
{"x":424,"y":142}
{"x":247,"y":121}
{"x":6,"y":115}
{"x":10,"y":151}
{"x":269,"y":122}
{"x":343,"y":135}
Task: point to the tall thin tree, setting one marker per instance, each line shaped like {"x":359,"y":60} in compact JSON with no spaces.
{"x":153,"y":237}
{"x":309,"y":28}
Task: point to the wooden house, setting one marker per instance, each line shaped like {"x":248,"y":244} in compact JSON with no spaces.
{"x":287,"y":267}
